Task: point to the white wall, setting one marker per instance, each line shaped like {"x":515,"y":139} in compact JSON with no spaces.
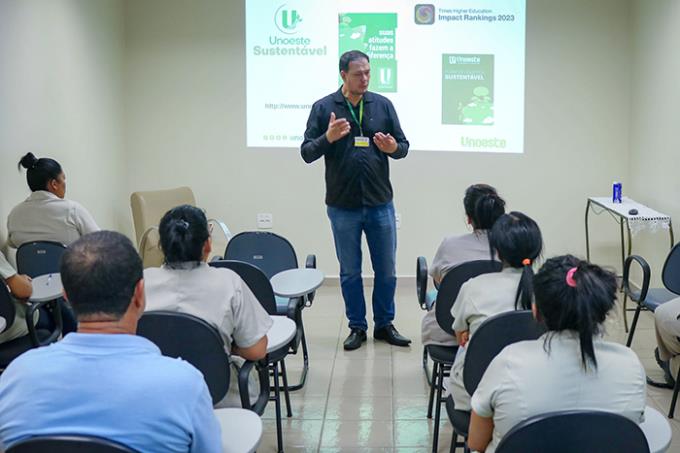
{"x":60,"y":97}
{"x":655,"y":100}
{"x":185,"y":124}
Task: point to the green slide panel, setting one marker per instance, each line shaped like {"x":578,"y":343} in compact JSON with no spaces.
{"x":375,"y":35}
{"x":467,"y":89}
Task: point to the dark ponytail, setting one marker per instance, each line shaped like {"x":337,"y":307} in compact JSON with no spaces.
{"x":183,"y":231}
{"x":483,"y":206}
{"x":518,"y":241}
{"x":39,"y":171}
{"x":572,"y":294}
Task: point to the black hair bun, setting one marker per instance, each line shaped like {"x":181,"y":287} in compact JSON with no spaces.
{"x":28,"y":161}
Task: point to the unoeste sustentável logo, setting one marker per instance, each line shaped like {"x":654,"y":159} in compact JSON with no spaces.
{"x":287,"y":20}
{"x":424,"y":14}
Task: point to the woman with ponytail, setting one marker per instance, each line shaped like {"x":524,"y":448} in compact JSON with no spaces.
{"x":517,"y":241}
{"x":483,"y":206}
{"x":46,"y":215}
{"x":186,"y":284}
{"x":570,"y":368}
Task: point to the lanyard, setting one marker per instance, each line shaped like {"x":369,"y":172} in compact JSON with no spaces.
{"x":361,"y":114}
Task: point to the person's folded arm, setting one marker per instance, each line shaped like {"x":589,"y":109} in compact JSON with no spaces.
{"x":255,"y":352}
{"x":20,"y":286}
{"x":480,"y":432}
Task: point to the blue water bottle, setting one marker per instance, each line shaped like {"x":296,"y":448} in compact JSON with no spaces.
{"x":616,"y":192}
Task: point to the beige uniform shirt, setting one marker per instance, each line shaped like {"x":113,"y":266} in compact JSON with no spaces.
{"x":524,"y":380}
{"x":479,"y":298}
{"x":18,"y":327}
{"x":453,"y":251}
{"x":219,"y":297}
{"x":45,"y":217}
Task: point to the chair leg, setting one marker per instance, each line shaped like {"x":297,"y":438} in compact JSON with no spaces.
{"x":284,"y":375}
{"x":632,"y":326}
{"x":435,"y":368}
{"x":305,"y":358}
{"x":428,"y":376}
{"x":438,"y":408}
{"x":454,"y":438}
{"x":277,"y":402}
{"x":625,"y":304}
{"x":676,"y":389}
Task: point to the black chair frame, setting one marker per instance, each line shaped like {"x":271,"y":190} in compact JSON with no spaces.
{"x":68,"y":443}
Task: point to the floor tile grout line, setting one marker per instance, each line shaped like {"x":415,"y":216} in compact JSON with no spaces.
{"x":328,"y":391}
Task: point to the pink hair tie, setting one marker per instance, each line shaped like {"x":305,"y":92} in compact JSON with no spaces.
{"x":570,"y":277}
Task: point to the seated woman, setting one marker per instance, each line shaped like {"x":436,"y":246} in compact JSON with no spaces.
{"x":46,"y":215}
{"x":517,"y":240}
{"x":186,"y":284}
{"x":570,"y":367}
{"x":482,"y":207}
{"x":20,"y":288}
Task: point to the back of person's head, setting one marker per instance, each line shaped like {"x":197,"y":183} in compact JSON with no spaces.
{"x":183,"y":232}
{"x":39,"y":171}
{"x":483,"y":206}
{"x":518,"y":241}
{"x":572,"y":294}
{"x":99,"y":273}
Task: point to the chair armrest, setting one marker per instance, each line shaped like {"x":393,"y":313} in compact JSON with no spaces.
{"x":223,"y":227}
{"x":58,"y":322}
{"x":263,"y":373}
{"x":144,"y":239}
{"x":216,"y":258}
{"x":310,"y":263}
{"x":636,"y":296}
{"x":421,"y":282}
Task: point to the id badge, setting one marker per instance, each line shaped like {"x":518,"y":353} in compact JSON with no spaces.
{"x":361,"y":142}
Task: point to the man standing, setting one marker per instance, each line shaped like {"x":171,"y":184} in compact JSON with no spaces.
{"x":356,"y":131}
{"x":103,"y":380}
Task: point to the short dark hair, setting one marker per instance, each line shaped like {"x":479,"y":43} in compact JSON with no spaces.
{"x":350,"y":56}
{"x":581,"y":306}
{"x":99,"y":273}
{"x":518,"y":241}
{"x":183,"y":232}
{"x":483,"y":206}
{"x":39,"y":171}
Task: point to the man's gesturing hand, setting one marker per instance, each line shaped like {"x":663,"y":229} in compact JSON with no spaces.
{"x":337,"y":128}
{"x":385,"y":142}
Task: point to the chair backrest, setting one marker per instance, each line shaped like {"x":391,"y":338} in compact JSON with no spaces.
{"x":258,"y":283}
{"x":634,"y":295}
{"x":192,"y":339}
{"x":268,"y":251}
{"x":450,"y":286}
{"x":68,"y":444}
{"x":148,"y":208}
{"x":7,"y":309}
{"x":670,"y":276}
{"x":570,"y":431}
{"x":39,"y":258}
{"x":421,"y":281}
{"x":491,"y":337}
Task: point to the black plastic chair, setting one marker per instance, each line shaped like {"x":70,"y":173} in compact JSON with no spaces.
{"x":39,"y":258}
{"x":650,"y":298}
{"x":571,"y":431}
{"x":259,"y":284}
{"x":494,"y":334}
{"x":181,"y":335}
{"x":272,"y":254}
{"x":443,"y":356}
{"x":424,"y":302}
{"x":68,"y":444}
{"x":35,"y":338}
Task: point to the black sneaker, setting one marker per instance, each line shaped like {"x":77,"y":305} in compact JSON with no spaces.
{"x":389,"y":334}
{"x":354,"y":340}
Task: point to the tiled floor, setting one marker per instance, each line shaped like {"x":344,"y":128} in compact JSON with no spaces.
{"x":374,"y":399}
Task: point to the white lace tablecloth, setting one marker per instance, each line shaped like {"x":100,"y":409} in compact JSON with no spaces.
{"x":646,"y":218}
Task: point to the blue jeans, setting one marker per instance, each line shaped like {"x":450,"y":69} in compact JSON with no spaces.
{"x":379,"y":225}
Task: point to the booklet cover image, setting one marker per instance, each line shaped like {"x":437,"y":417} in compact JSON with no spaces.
{"x":467,"y":89}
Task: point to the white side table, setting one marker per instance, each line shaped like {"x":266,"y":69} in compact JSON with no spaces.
{"x":280,"y":333}
{"x":3,"y":324}
{"x":46,"y":287}
{"x":297,"y":282}
{"x":657,"y":431}
{"x":241,"y":430}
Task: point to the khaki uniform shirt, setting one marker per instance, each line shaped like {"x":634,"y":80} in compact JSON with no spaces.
{"x":453,"y":251}
{"x":219,"y":297}
{"x":525,"y":380}
{"x":45,"y":217}
{"x":18,"y":327}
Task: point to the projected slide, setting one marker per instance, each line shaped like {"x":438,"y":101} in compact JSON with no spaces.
{"x":454,"y":69}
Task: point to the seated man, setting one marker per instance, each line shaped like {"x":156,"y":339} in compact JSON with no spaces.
{"x":20,"y":288}
{"x":667,"y":326}
{"x":103,"y":380}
